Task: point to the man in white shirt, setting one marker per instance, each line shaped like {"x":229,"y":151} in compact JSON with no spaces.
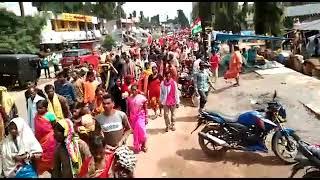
{"x":196,"y":64}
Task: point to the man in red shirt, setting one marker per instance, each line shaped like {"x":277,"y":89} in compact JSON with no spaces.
{"x":214,"y":61}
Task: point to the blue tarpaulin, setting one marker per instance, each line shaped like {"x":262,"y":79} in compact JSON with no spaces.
{"x":237,"y":37}
{"x":247,"y":33}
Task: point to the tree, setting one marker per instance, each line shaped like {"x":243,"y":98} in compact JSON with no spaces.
{"x":120,"y":12}
{"x":268,"y":17}
{"x":144,"y":21}
{"x":108,"y":42}
{"x":204,"y":9}
{"x":21,"y":8}
{"x":195,"y":11}
{"x":106,"y":10}
{"x":182,"y":19}
{"x":141,"y":16}
{"x":134,"y":13}
{"x":20,"y":34}
{"x":288,"y":22}
{"x":155,"y":20}
{"x":227,"y":16}
{"x":243,"y":15}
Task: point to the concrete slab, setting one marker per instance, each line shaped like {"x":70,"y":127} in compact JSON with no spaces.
{"x":280,"y":70}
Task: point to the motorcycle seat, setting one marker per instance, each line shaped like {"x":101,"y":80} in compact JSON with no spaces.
{"x":226,"y":118}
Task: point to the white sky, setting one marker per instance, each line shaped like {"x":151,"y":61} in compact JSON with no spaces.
{"x":162,"y":8}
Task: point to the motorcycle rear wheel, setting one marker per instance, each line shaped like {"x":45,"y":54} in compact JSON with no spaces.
{"x":312,"y":174}
{"x":217,"y":151}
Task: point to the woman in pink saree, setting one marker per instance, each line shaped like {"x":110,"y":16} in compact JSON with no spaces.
{"x":45,"y":135}
{"x":137,"y":110}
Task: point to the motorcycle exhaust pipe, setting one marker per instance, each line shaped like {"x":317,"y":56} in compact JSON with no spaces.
{"x":213,"y":139}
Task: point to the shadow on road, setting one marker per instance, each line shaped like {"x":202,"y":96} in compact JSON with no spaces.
{"x":156,"y":131}
{"x":187,"y":119}
{"x":235,"y":157}
{"x":186,"y":102}
{"x":217,"y":91}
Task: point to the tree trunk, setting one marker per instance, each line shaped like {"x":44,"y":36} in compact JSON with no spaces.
{"x":21,"y":8}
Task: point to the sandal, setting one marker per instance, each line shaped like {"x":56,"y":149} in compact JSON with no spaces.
{"x":145,"y":149}
{"x":173,"y":128}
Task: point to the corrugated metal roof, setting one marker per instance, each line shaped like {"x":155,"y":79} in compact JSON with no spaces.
{"x":302,"y":10}
{"x":309,"y":26}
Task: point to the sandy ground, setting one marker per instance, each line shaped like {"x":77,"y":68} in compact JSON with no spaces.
{"x":178,"y":154}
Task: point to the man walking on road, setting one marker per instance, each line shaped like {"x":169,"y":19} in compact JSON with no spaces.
{"x":32,"y":106}
{"x":202,"y":82}
{"x":113,"y":123}
{"x":65,"y":89}
{"x":169,"y":99}
{"x":57,"y":104}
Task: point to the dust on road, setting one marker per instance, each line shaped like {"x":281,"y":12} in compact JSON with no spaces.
{"x":178,"y":154}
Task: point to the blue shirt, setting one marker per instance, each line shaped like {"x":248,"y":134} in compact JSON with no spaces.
{"x":45,"y":63}
{"x":66,"y":90}
{"x":202,"y":80}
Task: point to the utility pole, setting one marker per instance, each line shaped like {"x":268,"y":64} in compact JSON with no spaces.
{"x":204,"y":12}
{"x":119,"y":12}
{"x":85,"y":21}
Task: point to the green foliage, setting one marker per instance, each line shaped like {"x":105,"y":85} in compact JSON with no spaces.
{"x":229,"y":17}
{"x":268,"y":18}
{"x":155,"y":20}
{"x":182,"y":19}
{"x":106,"y":10}
{"x":243,"y":15}
{"x":195,"y":12}
{"x":205,"y":14}
{"x":108,"y":42}
{"x":20,"y":34}
{"x":288,"y":22}
{"x":144,"y":21}
{"x":141,"y":17}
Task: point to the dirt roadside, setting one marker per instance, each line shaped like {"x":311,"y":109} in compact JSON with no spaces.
{"x":177,"y":154}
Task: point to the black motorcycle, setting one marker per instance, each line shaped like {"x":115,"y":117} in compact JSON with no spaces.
{"x":308,"y":157}
{"x":248,"y":132}
{"x":187,"y":85}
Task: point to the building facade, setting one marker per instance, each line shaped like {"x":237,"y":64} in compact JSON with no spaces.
{"x":61,"y":28}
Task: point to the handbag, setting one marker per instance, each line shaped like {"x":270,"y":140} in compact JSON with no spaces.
{"x":27,"y":171}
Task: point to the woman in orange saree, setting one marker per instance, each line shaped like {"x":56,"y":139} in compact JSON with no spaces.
{"x":45,"y":135}
{"x":235,"y":65}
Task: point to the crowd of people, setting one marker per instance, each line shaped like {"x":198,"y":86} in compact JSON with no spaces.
{"x":78,"y":126}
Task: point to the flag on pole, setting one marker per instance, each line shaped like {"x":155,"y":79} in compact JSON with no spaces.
{"x":196,"y":26}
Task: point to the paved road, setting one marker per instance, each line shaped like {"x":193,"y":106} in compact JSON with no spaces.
{"x":177,"y":154}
